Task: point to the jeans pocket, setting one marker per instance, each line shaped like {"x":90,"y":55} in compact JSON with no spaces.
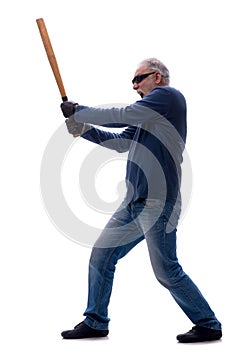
{"x":151,"y":215}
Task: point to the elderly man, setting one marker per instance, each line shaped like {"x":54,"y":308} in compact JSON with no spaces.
{"x":154,"y":136}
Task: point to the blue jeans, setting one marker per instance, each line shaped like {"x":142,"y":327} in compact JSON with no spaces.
{"x":131,"y":223}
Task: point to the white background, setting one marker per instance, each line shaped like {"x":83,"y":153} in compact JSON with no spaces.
{"x":98,"y":45}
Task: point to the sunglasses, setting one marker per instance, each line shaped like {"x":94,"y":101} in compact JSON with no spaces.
{"x":137,"y":79}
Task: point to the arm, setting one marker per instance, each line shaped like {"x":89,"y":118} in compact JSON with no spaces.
{"x":154,"y":105}
{"x":130,"y":115}
{"x":116,"y":141}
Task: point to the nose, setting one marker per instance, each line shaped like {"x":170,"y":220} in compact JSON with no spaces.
{"x":135,"y":86}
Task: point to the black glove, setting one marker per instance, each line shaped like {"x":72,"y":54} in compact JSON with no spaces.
{"x":68,"y":108}
{"x":73,"y":127}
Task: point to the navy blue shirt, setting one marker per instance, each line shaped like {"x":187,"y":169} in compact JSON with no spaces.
{"x":154,"y":136}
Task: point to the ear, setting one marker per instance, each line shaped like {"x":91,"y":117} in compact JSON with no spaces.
{"x":158,"y":78}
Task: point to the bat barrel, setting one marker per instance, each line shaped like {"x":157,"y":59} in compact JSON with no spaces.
{"x":51,"y":57}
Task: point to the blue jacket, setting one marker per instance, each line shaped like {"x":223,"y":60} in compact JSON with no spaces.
{"x":154,"y":136}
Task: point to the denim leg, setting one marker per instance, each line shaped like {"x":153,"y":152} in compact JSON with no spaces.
{"x":162,"y":250}
{"x":103,"y":262}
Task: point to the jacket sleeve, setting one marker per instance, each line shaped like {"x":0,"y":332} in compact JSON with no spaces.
{"x":153,"y":106}
{"x":119,"y":142}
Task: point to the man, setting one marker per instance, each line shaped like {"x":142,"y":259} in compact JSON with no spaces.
{"x":154,"y":136}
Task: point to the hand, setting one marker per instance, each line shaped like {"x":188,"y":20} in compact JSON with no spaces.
{"x":73,"y":127}
{"x":68,"y":108}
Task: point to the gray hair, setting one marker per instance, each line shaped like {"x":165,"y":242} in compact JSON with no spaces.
{"x":155,"y":64}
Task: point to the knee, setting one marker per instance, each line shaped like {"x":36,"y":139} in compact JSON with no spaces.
{"x":170,"y":275}
{"x":103,"y":259}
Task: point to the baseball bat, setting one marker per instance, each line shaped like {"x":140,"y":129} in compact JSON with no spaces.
{"x":51,"y":57}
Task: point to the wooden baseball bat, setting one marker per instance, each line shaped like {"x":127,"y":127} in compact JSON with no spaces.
{"x":51,"y":57}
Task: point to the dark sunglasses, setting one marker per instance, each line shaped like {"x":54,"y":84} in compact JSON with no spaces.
{"x":137,"y":79}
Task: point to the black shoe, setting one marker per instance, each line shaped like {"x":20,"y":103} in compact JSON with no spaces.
{"x":199,"y":334}
{"x":83,"y":331}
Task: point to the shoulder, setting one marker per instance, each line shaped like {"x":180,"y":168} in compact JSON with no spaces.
{"x":162,"y":99}
{"x":166,"y":91}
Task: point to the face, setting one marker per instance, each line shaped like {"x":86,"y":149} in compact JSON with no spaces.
{"x":146,"y":85}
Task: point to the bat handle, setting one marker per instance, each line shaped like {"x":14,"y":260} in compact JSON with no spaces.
{"x":64,"y":98}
